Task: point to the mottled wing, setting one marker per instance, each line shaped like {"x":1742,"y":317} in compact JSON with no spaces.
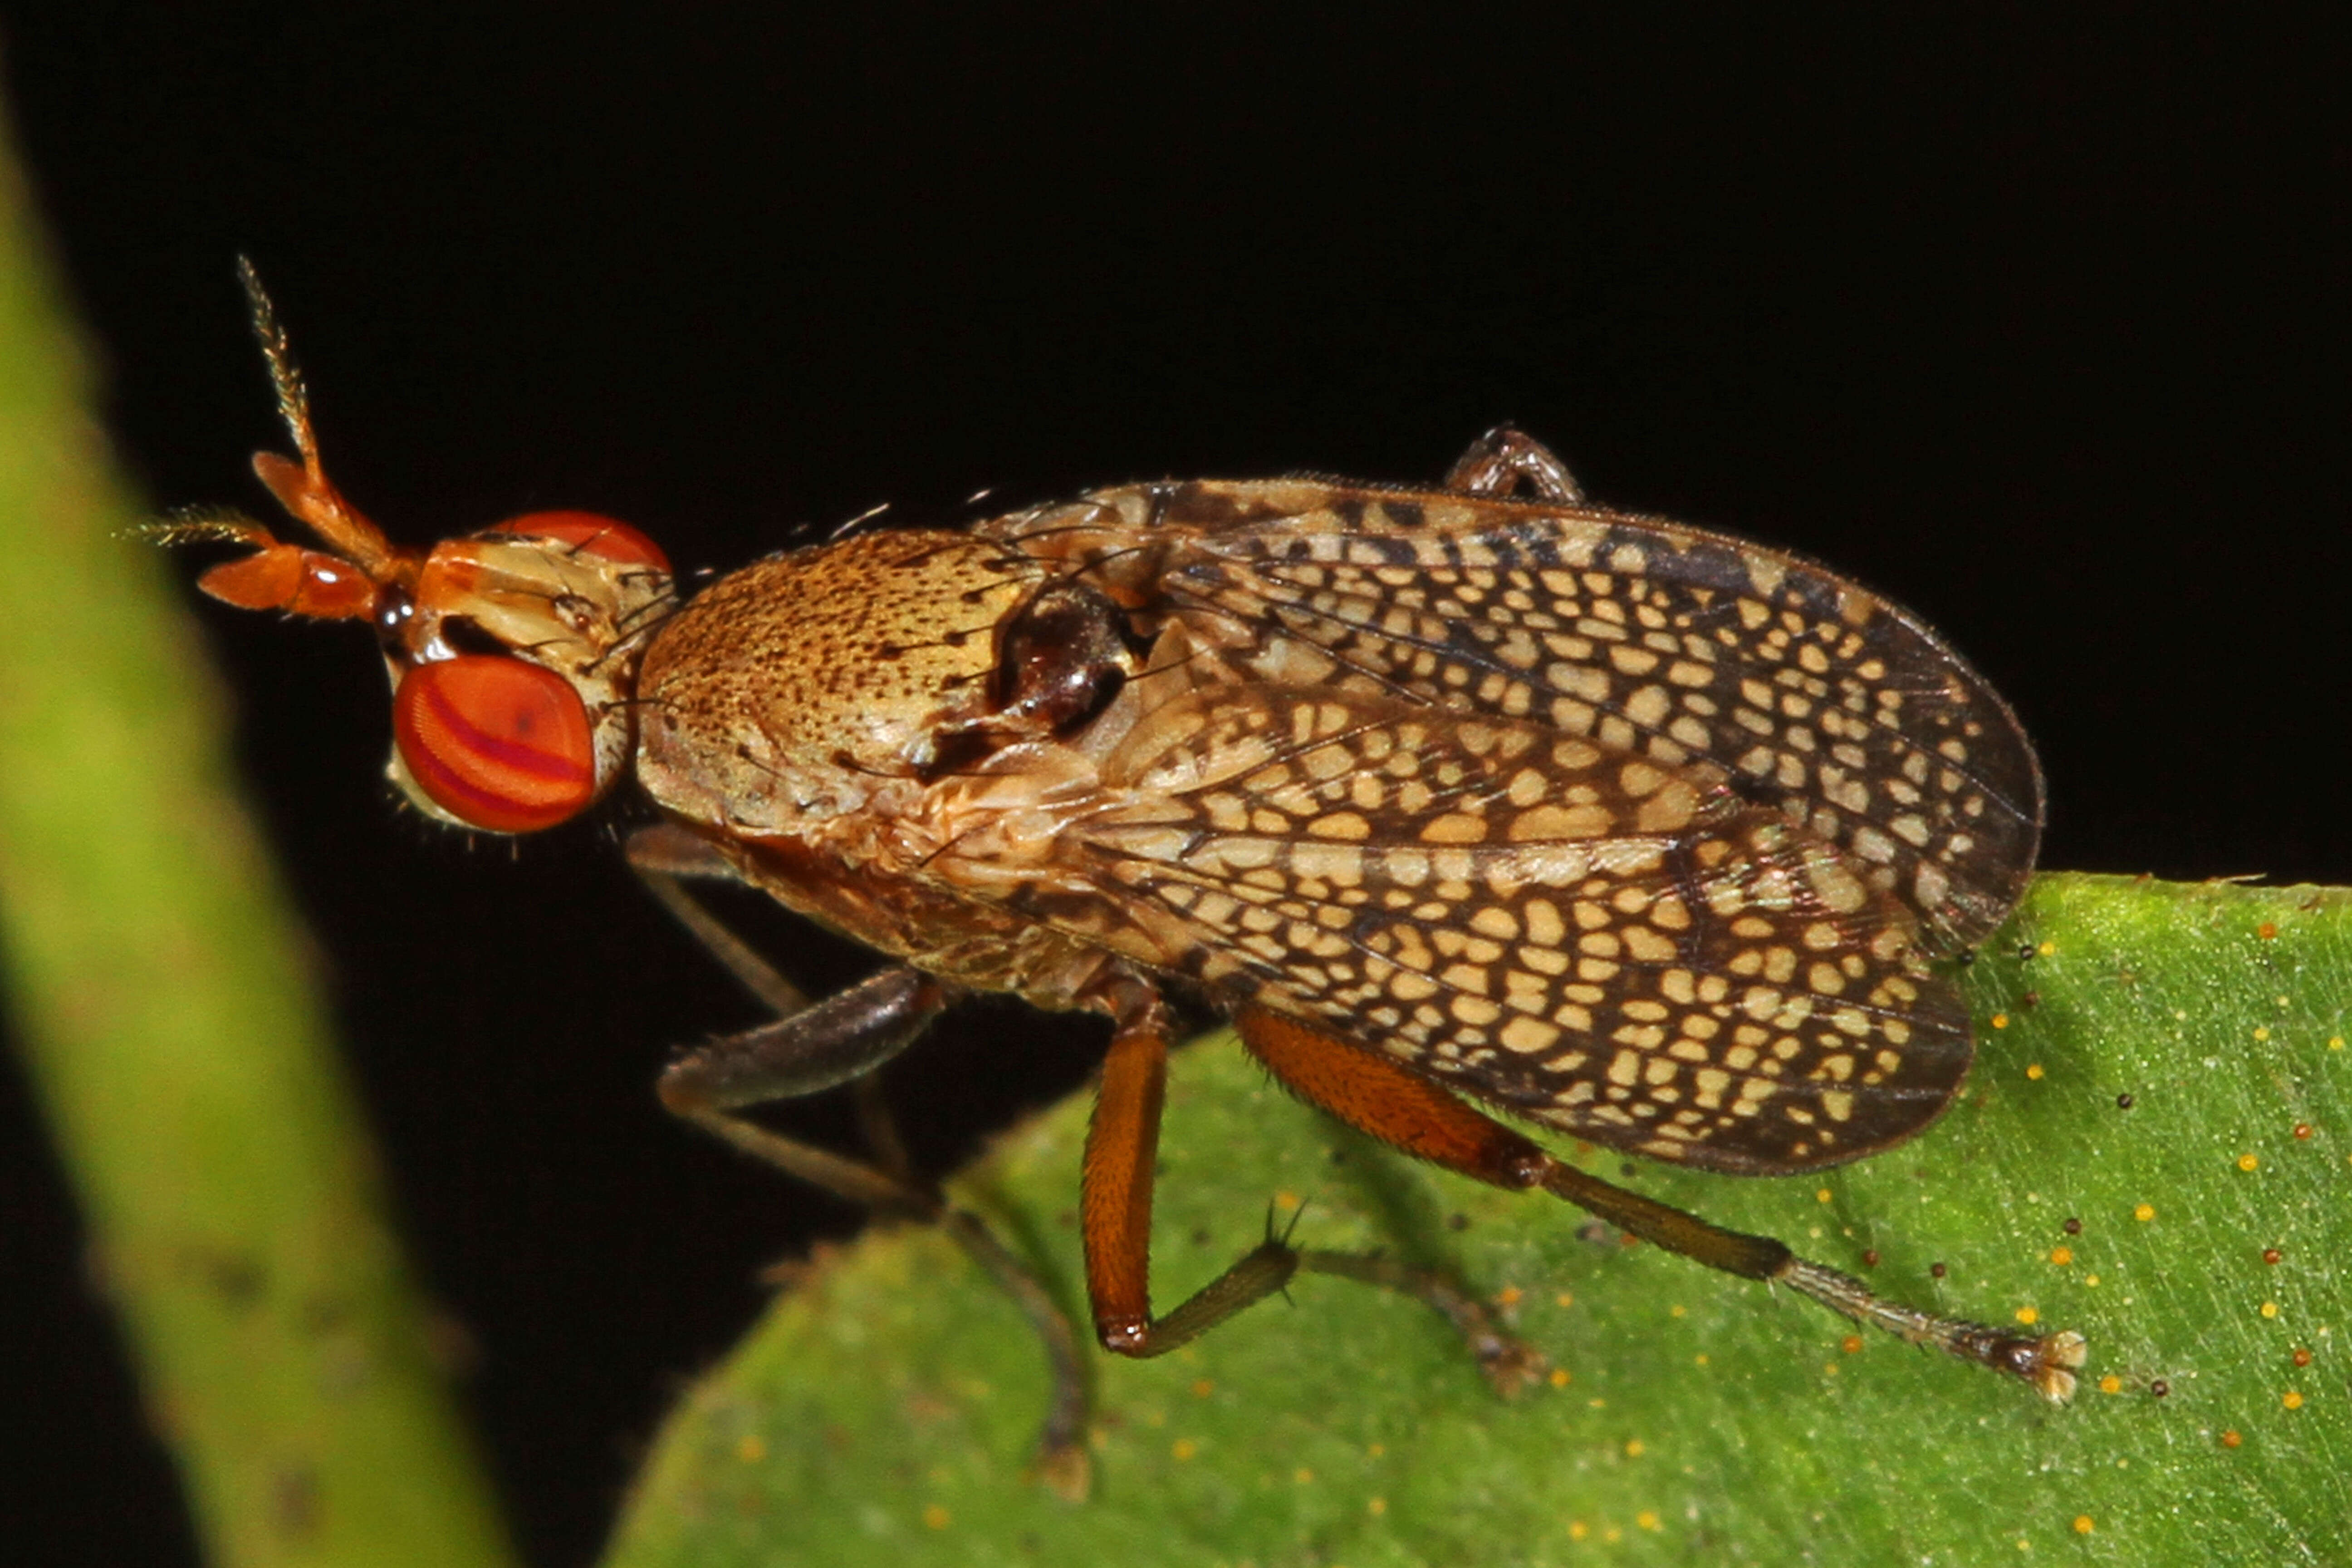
{"x":1710,"y":655}
{"x":1547,"y":923}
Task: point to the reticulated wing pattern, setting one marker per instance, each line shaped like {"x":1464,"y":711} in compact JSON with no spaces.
{"x":1711,"y":656}
{"x":1550,"y":924}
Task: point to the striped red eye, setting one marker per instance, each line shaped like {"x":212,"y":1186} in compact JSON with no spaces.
{"x":496,"y":742}
{"x":591,"y":533}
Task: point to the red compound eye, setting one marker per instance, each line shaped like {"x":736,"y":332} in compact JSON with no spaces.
{"x":496,"y":742}
{"x":591,"y":533}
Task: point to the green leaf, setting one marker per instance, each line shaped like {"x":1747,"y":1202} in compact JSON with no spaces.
{"x":886,"y":1409}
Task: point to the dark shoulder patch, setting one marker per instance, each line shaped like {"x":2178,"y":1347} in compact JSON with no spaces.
{"x":1205,"y":504}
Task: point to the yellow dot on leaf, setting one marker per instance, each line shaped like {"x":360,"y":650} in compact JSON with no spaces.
{"x":2249,"y":1162}
{"x":2082,"y":1524}
{"x":2034,"y":1071}
{"x":2111,"y":1383}
{"x":2270,"y":1309}
{"x":1184,"y":1448}
{"x":2145,"y":1212}
{"x":1560,"y":1378}
{"x":1648,"y":1519}
{"x":2291,"y":1400}
{"x":2000,"y":1020}
{"x":1377,"y":1507}
{"x":2046,"y":949}
{"x":1821,"y":1195}
{"x":936,"y":1518}
{"x":1633,"y":1449}
{"x":2062,"y":1255}
{"x":2028,"y":1315}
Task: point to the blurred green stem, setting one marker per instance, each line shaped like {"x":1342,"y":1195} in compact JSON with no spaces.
{"x":173,"y":1035}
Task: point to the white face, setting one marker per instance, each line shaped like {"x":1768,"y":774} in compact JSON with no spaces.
{"x":512,"y":665}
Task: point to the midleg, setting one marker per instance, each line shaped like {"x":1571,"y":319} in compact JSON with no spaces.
{"x":1115,"y":1197}
{"x":845,"y":1039}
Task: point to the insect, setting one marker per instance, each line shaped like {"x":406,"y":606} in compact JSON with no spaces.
{"x":1457,"y":800}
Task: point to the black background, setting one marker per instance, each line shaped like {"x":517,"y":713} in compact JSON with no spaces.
{"x":2033,"y":322}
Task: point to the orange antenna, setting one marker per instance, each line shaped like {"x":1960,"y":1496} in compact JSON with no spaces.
{"x":304,"y":491}
{"x":339,"y":583}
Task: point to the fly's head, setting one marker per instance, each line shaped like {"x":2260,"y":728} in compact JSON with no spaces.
{"x":512,"y":651}
{"x":851,"y":677}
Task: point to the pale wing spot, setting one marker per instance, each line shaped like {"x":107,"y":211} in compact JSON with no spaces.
{"x":1348,"y":825}
{"x":1475,"y":1011}
{"x":1548,"y":822}
{"x":1689,"y":672}
{"x":1545,"y":928}
{"x":1580,"y":680}
{"x":1339,"y":864}
{"x":1325,"y":763}
{"x":1669,"y":810}
{"x":1874,"y":846}
{"x":1528,"y":1036}
{"x":1646,"y":946}
{"x":1649,"y":706}
{"x":1471,"y":978}
{"x":1492,"y":919}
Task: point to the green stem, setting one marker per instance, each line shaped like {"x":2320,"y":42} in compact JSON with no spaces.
{"x":155,"y":978}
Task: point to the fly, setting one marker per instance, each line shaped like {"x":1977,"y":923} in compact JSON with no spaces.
{"x":1469,"y":799}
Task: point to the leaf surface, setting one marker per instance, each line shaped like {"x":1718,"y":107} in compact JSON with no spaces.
{"x":885,"y":1409}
